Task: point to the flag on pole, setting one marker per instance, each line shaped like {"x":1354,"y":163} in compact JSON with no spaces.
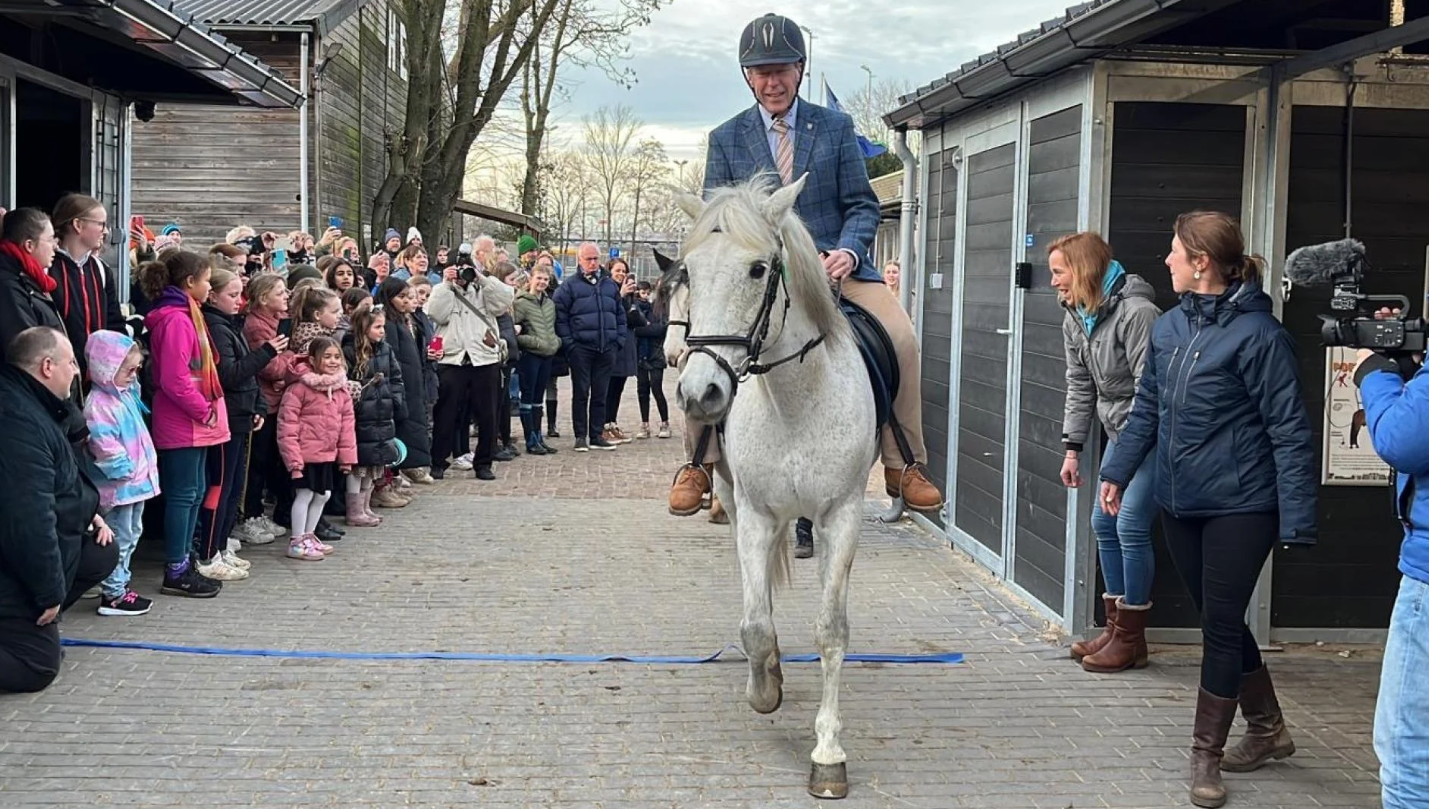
{"x":868,"y":148}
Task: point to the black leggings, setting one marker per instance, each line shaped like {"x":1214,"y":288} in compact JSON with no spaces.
{"x":650,"y":383}
{"x":613,"y":398}
{"x":1219,"y":560}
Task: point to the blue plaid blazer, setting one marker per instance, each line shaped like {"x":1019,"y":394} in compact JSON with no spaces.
{"x":837,"y":205}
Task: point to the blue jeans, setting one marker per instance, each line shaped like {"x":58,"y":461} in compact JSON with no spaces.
{"x":182,"y":480}
{"x":1124,"y":543}
{"x":125,"y":522}
{"x":1399,"y":732}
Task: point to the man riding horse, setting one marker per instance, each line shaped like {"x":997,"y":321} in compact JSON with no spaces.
{"x":789,"y":137}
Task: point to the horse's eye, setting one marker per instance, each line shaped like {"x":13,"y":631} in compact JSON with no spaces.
{"x":758,"y":269}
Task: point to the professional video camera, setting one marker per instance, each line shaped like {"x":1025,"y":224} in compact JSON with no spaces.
{"x":1342,"y":264}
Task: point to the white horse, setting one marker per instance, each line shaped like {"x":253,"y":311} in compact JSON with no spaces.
{"x":771,"y":359}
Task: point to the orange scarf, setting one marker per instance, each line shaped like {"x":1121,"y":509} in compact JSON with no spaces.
{"x":209,"y":375}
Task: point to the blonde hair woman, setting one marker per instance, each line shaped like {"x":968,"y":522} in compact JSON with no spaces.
{"x":1107,"y":335}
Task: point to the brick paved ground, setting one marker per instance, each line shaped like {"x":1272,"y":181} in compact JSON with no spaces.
{"x":576,"y":554}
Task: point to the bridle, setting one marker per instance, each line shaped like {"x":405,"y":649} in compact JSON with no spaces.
{"x":755,"y":338}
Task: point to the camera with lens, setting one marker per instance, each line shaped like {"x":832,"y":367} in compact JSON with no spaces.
{"x":465,"y":265}
{"x":1342,"y":265}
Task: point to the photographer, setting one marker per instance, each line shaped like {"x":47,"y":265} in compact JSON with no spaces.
{"x":1396,"y":410}
{"x":464,"y":308}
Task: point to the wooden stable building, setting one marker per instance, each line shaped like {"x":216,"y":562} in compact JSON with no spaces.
{"x":1302,"y":118}
{"x":76,"y":79}
{"x":211,"y":168}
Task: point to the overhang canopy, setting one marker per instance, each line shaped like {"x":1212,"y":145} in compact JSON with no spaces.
{"x":485,"y":212}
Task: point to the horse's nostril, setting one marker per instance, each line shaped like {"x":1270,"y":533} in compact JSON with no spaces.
{"x":713,"y":395}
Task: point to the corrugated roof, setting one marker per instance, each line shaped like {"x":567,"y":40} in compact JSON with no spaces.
{"x":254,"y":12}
{"x":1005,"y":48}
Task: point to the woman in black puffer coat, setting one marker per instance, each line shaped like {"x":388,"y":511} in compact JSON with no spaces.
{"x":380,"y":401}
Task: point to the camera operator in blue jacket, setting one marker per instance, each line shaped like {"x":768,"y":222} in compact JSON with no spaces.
{"x":1396,"y":409}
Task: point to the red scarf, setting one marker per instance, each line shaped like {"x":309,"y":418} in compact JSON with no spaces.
{"x":37,"y":274}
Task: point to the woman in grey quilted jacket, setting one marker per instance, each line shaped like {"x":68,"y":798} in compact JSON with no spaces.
{"x":1107,"y":331}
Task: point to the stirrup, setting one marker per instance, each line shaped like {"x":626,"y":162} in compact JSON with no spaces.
{"x":701,"y":468}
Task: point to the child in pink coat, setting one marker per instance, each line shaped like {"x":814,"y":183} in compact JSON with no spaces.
{"x":188,"y":411}
{"x":317,"y":430}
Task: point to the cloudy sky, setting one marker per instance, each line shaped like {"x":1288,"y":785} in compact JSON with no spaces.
{"x":685,"y":61}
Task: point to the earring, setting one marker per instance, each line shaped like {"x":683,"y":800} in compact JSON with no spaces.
{"x":1196,"y":274}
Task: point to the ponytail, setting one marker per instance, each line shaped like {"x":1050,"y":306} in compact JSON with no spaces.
{"x":1252,"y":268}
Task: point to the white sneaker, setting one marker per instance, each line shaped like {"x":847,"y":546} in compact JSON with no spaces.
{"x":235,"y":561}
{"x":272,"y":528}
{"x":253,"y":532}
{"x":401,"y":481}
{"x":218,"y":569}
{"x":232,"y":544}
{"x":465,"y":461}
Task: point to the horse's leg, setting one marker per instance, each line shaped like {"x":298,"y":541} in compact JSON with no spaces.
{"x":756,"y":538}
{"x":840,"y":531}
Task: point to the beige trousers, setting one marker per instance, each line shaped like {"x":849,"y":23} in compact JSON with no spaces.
{"x":876,"y":299}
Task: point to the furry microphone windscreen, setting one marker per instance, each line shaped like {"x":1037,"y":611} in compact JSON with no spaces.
{"x":1319,"y":265}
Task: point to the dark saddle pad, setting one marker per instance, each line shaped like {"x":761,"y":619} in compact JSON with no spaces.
{"x":880,"y":358}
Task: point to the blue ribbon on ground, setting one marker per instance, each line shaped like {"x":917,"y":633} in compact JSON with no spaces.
{"x":564,"y":658}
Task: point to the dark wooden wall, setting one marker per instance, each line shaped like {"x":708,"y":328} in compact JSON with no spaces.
{"x":939,"y":256}
{"x":361,"y":104}
{"x":1168,"y":159}
{"x":1053,"y":185}
{"x":1349,"y":579}
{"x":986,"y":308}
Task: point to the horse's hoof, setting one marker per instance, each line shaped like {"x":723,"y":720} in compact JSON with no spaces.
{"x":764,"y":709}
{"x":828,"y":782}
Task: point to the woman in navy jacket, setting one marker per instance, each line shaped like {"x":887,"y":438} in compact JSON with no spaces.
{"x":1221,"y":402}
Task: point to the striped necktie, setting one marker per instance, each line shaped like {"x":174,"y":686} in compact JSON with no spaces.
{"x":783,"y":150}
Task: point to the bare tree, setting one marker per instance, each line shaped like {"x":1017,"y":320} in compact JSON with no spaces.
{"x":650,"y":167}
{"x":580,"y":34}
{"x":455,"y":87}
{"x":610,"y":136}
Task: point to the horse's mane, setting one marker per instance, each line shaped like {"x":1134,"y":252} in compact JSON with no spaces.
{"x":736,"y":211}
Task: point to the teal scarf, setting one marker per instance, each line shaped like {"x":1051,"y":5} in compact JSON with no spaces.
{"x":1113,"y":277}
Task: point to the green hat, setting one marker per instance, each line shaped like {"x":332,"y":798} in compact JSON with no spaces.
{"x":525,"y":244}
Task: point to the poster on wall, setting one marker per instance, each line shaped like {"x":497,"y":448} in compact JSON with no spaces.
{"x":1347,"y":455}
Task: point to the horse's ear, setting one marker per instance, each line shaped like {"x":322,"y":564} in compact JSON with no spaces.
{"x":663,"y":261}
{"x":783,"y":199}
{"x":689,"y":203}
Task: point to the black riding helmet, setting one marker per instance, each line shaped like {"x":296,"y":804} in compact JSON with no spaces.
{"x":772,"y":40}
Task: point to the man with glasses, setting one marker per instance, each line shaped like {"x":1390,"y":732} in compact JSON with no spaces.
{"x":592,"y":326}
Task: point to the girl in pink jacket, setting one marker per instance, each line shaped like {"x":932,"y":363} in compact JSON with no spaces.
{"x":317,"y":430}
{"x":188,"y":411}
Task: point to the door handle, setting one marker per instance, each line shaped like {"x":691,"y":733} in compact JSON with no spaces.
{"x":1003,"y":332}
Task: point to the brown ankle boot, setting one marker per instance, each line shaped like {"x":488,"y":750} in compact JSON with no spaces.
{"x":912,"y":486}
{"x":686,"y":491}
{"x":1209,"y":735}
{"x":1128,"y":646}
{"x":1087,"y":647}
{"x":1267,"y":737}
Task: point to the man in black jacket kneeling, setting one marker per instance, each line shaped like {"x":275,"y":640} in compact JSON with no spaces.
{"x":53,"y":544}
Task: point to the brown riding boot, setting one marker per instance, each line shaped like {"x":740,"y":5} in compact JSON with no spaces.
{"x":690,"y":485}
{"x":1128,"y":646}
{"x":1087,"y":647}
{"x":1267,"y":737}
{"x":1209,"y":735}
{"x":912,"y":486}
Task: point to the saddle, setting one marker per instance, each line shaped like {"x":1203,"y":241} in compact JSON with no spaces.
{"x":879,"y":355}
